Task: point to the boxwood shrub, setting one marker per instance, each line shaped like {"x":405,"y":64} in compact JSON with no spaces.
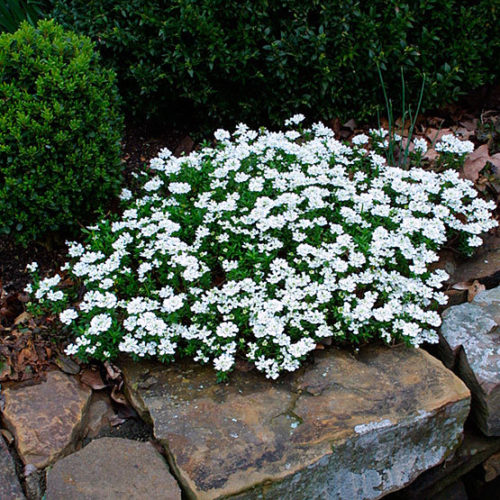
{"x":259,"y":61}
{"x":60,"y":130}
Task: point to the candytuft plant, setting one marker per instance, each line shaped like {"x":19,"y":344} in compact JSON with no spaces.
{"x":60,"y":131}
{"x":261,"y":247}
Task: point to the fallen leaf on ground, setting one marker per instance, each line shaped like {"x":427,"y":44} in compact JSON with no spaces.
{"x":22,"y":318}
{"x":113,"y":371}
{"x":118,"y":396}
{"x":475,"y":288}
{"x":472,"y":288}
{"x":477,"y":160}
{"x":115,"y":420}
{"x":93,"y":379}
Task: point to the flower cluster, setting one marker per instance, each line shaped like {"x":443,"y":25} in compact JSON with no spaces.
{"x":263,"y":246}
{"x":451,"y":144}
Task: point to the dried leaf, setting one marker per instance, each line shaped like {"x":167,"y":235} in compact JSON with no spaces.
{"x":470,"y":125}
{"x":474,"y":289}
{"x":462,"y":285}
{"x":7,"y":436}
{"x":116,"y":420}
{"x":93,"y":379}
{"x":350,"y":124}
{"x":113,"y":371}
{"x":434,"y":134}
{"x":118,"y":397}
{"x":22,"y":318}
{"x":475,"y":162}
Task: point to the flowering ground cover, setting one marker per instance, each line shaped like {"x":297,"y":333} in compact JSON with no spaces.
{"x":265,"y":245}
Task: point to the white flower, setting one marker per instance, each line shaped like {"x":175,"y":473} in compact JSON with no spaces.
{"x":420,"y":145}
{"x":32,"y":267}
{"x":125,"y":194}
{"x":451,"y":144}
{"x":179,"y":187}
{"x":227,"y":329}
{"x":295,"y":119}
{"x":154,"y":184}
{"x":67,"y":316}
{"x":360,"y":139}
{"x":222,"y":135}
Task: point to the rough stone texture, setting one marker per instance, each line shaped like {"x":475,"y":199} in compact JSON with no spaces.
{"x":346,"y":427}
{"x":99,"y":415}
{"x":470,"y":342}
{"x":46,"y":419}
{"x":10,"y":489}
{"x":112,"y":468}
{"x":473,"y":451}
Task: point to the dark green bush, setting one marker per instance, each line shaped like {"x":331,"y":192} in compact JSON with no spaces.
{"x":259,"y":61}
{"x":14,"y":12}
{"x":59,"y":130}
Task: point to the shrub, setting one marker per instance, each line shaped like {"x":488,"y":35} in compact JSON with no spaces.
{"x":262,"y":247}
{"x":14,"y":12}
{"x":224,"y":61}
{"x":59,"y":130}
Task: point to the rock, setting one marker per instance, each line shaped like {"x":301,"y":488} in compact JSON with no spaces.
{"x":473,"y":451}
{"x":470,"y":342}
{"x":112,"y":468}
{"x":10,"y":489}
{"x":34,"y":481}
{"x":346,"y":427}
{"x":67,"y":365}
{"x":46,"y":419}
{"x":100,"y":414}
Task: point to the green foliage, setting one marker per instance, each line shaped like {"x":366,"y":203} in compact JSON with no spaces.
{"x":59,"y":130}
{"x":258,"y":61}
{"x":14,"y":12}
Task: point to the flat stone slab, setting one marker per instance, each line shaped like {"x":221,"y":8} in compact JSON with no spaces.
{"x":46,"y":419}
{"x":345,"y":427}
{"x":470,"y":342}
{"x":475,"y":449}
{"x":10,"y":489}
{"x":112,"y":469}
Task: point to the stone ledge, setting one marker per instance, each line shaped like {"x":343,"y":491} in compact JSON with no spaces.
{"x":345,"y":427}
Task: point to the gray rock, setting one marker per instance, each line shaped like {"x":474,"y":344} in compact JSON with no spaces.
{"x":112,"y":469}
{"x":346,"y":427}
{"x":99,"y":415}
{"x":10,"y":488}
{"x":470,"y":342}
{"x":475,"y":449}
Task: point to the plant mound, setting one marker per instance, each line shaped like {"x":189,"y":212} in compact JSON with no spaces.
{"x":261,"y":248}
{"x":59,"y":131}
